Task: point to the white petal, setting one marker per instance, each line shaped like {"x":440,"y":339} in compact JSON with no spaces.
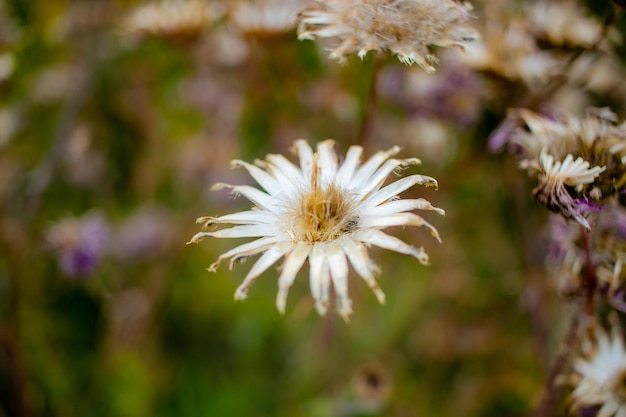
{"x":397,"y":187}
{"x":398,"y":206}
{"x":349,"y":166}
{"x":245,"y":250}
{"x":369,"y":167}
{"x":399,"y":219}
{"x":266,"y":260}
{"x":285,"y":167}
{"x":264,"y":179}
{"x":383,"y":240}
{"x":305,"y":153}
{"x":327,"y":158}
{"x":319,"y":277}
{"x":362,"y":264}
{"x":608,"y":409}
{"x":248,"y":230}
{"x":292,"y":265}
{"x":339,"y":274}
{"x":199,"y":237}
{"x":377,"y":179}
{"x":258,"y":197}
{"x":243,"y":217}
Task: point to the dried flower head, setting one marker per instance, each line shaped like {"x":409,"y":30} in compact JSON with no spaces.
{"x":408,"y":28}
{"x":559,"y":180}
{"x":180,"y":20}
{"x":508,"y":50}
{"x":563,"y":24}
{"x":601,"y":374}
{"x":323,"y":211}
{"x":264,"y":18}
{"x":569,"y":254}
{"x":579,"y":162}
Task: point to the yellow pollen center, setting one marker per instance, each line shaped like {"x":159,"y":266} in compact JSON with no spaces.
{"x":323,"y":214}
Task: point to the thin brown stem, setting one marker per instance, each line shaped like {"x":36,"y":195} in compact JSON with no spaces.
{"x":367,"y":122}
{"x":590,"y":273}
{"x":550,"y":397}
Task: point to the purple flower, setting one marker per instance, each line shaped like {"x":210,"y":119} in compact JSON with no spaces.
{"x":501,"y":135}
{"x":79,"y":243}
{"x":586,"y":206}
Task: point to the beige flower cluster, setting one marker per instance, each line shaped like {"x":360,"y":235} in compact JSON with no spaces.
{"x":531,"y":44}
{"x":408,"y":28}
{"x":173,"y":19}
{"x":578,"y":162}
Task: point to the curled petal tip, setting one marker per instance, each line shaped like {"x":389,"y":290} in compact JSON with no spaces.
{"x":380,"y":295}
{"x":280,"y":306}
{"x":321,"y":308}
{"x":219,"y":186}
{"x":411,"y":161}
{"x":236,"y":163}
{"x":198,"y":237}
{"x":206,"y":221}
{"x":345,"y":312}
{"x":421,"y":256}
{"x":240,"y":295}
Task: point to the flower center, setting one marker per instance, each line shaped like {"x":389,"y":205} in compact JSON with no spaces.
{"x":323,"y":214}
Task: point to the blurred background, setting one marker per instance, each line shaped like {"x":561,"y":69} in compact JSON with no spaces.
{"x":117,"y":116}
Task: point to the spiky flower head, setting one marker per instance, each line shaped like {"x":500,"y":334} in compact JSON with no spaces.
{"x":325,"y":212}
{"x":558,"y":180}
{"x":178,"y":20}
{"x":579,"y":162}
{"x":407,"y":28}
{"x":601,"y":374}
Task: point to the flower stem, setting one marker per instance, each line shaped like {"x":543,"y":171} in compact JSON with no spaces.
{"x":550,"y":395}
{"x":367,"y":122}
{"x":590,"y":274}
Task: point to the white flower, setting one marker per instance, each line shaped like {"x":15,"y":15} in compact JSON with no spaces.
{"x":569,"y":171}
{"x":603,"y":376}
{"x":323,"y":211}
{"x":408,"y":28}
